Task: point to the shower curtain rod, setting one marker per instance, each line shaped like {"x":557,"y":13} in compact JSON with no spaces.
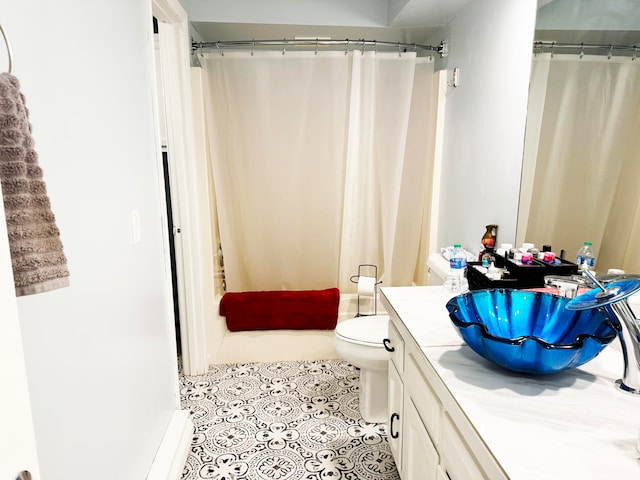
{"x":441,"y":49}
{"x":582,"y":48}
{"x":315,"y":43}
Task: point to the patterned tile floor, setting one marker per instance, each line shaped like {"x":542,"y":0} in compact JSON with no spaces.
{"x":282,"y":421}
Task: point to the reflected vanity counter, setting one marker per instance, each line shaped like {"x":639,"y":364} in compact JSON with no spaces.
{"x":570,"y":425}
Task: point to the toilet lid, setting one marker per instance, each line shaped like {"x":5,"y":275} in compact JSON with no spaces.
{"x":370,"y":329}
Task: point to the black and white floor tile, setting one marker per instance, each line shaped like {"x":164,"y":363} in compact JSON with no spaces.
{"x":282,"y":421}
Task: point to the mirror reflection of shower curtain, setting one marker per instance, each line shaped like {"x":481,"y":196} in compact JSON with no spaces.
{"x":320,"y":163}
{"x":582,"y":160}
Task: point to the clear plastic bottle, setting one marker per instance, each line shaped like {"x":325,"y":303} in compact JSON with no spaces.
{"x":456,"y":280}
{"x":585,"y":258}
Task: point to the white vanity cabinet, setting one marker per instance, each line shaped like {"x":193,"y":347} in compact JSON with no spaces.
{"x":429,"y":436}
{"x":395,"y":346}
{"x":456,"y":416}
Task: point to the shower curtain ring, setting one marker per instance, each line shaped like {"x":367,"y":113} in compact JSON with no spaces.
{"x":219,"y":49}
{"x":581,"y":50}
{"x":610,"y":52}
{"x":284,"y":46}
{"x":253,"y":44}
{"x":316,"y":46}
{"x":399,"y":50}
{"x":635,"y":49}
{"x":375,"y":46}
{"x":346,"y":50}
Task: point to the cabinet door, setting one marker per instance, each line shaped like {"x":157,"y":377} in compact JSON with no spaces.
{"x":394,"y":344}
{"x":395,"y":426}
{"x":425,"y":399}
{"x":419,"y":454}
{"x":457,"y":458}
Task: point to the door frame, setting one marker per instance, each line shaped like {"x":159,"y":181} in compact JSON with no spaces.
{"x":189,"y":190}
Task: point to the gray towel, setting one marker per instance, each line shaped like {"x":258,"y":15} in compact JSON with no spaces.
{"x":39,"y":264}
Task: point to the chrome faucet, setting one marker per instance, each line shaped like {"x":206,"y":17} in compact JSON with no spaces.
{"x":568,"y":285}
{"x":613,"y":298}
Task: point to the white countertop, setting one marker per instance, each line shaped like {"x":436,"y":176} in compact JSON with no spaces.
{"x":574,"y":424}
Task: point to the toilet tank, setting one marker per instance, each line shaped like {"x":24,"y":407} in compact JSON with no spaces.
{"x":437,"y":269}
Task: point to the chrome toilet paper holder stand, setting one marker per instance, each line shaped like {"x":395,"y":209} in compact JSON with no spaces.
{"x":356,"y":279}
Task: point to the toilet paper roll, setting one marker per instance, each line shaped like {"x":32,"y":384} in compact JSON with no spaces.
{"x":366,"y":286}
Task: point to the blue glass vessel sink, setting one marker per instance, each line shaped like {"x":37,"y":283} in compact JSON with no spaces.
{"x":529,"y":332}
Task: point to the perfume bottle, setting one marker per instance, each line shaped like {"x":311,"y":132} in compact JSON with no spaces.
{"x":488,"y":239}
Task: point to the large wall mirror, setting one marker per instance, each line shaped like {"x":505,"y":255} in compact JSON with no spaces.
{"x":581,"y":169}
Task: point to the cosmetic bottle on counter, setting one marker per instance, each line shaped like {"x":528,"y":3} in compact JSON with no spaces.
{"x":488,"y":239}
{"x":488,"y":257}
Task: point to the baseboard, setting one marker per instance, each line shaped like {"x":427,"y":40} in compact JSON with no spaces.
{"x":172,"y":454}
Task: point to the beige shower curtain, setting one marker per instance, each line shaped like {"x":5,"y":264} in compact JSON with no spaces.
{"x":321,"y":162}
{"x":583,"y":157}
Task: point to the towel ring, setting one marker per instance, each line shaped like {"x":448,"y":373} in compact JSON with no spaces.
{"x":8,"y":45}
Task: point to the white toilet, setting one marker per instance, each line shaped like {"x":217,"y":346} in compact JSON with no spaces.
{"x":438,"y":269}
{"x":359,"y":342}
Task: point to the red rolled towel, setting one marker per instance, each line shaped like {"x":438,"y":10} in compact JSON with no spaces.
{"x":274,"y":310}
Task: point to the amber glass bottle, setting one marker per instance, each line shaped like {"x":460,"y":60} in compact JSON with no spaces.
{"x":488,"y":239}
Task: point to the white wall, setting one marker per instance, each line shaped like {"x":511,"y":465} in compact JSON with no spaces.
{"x":100,"y":354}
{"x":491,"y":44}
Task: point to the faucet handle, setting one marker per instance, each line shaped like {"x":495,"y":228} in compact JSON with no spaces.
{"x":592,"y":277}
{"x":567,"y":286}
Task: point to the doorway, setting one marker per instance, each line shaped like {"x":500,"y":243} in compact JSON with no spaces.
{"x":167,"y":190}
{"x":172,"y":250}
{"x":192,"y":262}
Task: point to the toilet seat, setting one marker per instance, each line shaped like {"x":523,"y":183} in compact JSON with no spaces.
{"x":367,"y":330}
